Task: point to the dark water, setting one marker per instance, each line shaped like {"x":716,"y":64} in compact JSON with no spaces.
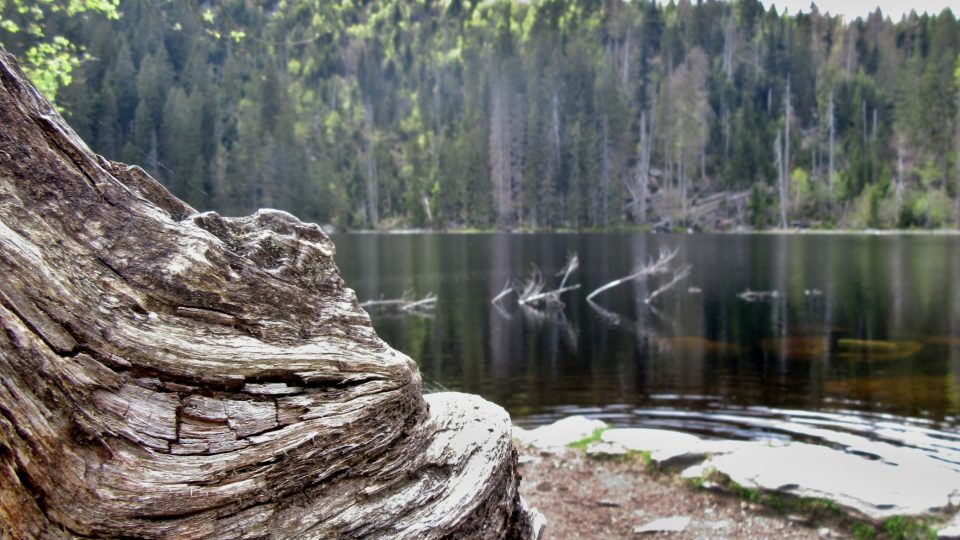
{"x":863,"y":337}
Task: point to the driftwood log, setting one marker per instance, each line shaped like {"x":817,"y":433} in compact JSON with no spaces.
{"x":168,"y":373}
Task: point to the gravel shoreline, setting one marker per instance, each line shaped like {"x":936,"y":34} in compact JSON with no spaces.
{"x":584,"y":497}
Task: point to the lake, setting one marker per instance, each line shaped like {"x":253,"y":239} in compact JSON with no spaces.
{"x":861,"y":338}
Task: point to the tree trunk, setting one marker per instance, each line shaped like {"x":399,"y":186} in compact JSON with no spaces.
{"x":781,"y":187}
{"x":167,"y":373}
{"x":830,"y":158}
{"x":604,"y":202}
{"x":785,"y":189}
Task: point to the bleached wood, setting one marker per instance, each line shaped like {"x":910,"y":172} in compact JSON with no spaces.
{"x":172,"y":374}
{"x":678,"y":276}
{"x":662,"y":264}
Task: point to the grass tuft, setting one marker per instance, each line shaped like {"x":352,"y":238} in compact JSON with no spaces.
{"x":594,"y":437}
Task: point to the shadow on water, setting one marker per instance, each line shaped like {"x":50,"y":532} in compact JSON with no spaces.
{"x":859,"y":346}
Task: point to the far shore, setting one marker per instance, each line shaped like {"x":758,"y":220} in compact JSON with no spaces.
{"x":635,"y":230}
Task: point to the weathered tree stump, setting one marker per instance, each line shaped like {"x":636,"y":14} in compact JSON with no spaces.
{"x":167,"y":373}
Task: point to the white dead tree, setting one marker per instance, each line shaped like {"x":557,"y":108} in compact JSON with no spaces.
{"x":406,"y":303}
{"x":508,"y":288}
{"x":678,"y":276}
{"x":754,"y":296}
{"x":658,"y":266}
{"x":533,"y":292}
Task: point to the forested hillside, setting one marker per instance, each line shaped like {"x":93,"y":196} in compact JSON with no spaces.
{"x":515,"y":114}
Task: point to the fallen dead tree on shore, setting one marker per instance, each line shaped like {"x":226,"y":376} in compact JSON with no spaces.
{"x":174,"y":374}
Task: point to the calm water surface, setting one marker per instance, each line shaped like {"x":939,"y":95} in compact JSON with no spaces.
{"x":862,"y":340}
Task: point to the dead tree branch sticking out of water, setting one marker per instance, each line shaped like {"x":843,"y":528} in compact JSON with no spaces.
{"x":406,"y":303}
{"x":533,"y":292}
{"x":658,"y":266}
{"x":508,"y":288}
{"x":678,"y":276}
{"x":753,"y":296}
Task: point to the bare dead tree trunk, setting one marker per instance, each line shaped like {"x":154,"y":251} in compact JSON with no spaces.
{"x":781,"y":187}
{"x":605,"y":172}
{"x":729,"y":29}
{"x":848,"y":43}
{"x":898,"y":190}
{"x":833,"y":134}
{"x":625,"y":65}
{"x":785,"y":189}
{"x":372,"y":175}
{"x":642,"y":191}
{"x":171,"y":374}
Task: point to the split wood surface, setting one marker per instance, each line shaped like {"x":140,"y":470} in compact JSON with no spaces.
{"x":168,"y":373}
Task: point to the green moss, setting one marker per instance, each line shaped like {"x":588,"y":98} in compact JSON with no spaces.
{"x":904,"y":528}
{"x":895,"y":528}
{"x":644,"y":455}
{"x":583,"y":443}
{"x":863,"y":531}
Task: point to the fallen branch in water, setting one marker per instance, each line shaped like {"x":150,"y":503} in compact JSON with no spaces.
{"x":404,"y":303}
{"x":753,"y":296}
{"x":549,"y":296}
{"x":507,"y":289}
{"x":427,"y":302}
{"x":533,"y":292}
{"x":658,"y":266}
{"x":678,"y":276}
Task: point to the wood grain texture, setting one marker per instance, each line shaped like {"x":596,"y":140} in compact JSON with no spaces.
{"x":169,"y":373}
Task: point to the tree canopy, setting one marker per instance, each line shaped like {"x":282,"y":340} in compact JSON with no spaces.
{"x":542,"y":114}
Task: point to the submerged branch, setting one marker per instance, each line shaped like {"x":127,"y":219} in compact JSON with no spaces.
{"x":678,"y":276}
{"x":547,"y":295}
{"x":753,"y":296}
{"x":658,"y":266}
{"x":533,"y":288}
{"x":507,"y":289}
{"x":404,"y":303}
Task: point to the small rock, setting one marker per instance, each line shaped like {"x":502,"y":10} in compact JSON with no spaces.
{"x":606,"y":450}
{"x":524,"y":459}
{"x":950,"y":533}
{"x":670,"y":524}
{"x":560,"y":433}
{"x":544,"y":486}
{"x":915,"y":487}
{"x":717,"y":525}
{"x":663,"y":445}
{"x":825,"y":532}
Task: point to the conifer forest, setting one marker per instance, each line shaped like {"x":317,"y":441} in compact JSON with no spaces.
{"x":511,"y":114}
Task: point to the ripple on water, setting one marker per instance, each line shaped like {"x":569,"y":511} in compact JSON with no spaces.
{"x":878,"y":436}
